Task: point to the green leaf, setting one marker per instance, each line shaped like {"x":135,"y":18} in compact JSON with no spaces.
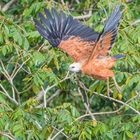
{"x":17,"y":37}
{"x":4,"y":50}
{"x":33,"y":34}
{"x":129,"y":134}
{"x":26,"y":44}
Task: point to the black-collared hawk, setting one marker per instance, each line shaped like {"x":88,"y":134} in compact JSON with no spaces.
{"x":89,"y":49}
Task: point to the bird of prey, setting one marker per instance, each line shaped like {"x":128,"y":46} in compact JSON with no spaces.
{"x":88,"y":48}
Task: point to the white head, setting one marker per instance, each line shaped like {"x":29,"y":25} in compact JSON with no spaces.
{"x":75,"y":67}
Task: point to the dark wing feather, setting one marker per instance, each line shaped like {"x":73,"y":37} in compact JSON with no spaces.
{"x":108,"y":35}
{"x":59,"y":26}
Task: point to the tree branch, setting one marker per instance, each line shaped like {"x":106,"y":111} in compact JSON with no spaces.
{"x":59,"y":132}
{"x":135,"y":22}
{"x":7,"y":95}
{"x":7,"y":135}
{"x":49,"y":99}
{"x":86,"y":106}
{"x":84,"y":16}
{"x":42,"y":93}
{"x":109,"y":112}
{"x":99,"y":113}
{"x":10,"y":80}
{"x":8,"y":5}
{"x":118,"y":101}
{"x":20,"y":67}
{"x":54,"y":95}
{"x":110,"y":98}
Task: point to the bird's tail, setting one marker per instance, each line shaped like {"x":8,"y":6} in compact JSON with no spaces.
{"x":117,"y":56}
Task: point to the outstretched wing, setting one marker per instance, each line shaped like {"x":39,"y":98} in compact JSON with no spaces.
{"x":108,"y":35}
{"x":67,"y":33}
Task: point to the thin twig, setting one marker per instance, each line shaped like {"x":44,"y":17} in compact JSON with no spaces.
{"x":86,"y":106}
{"x":62,"y":1}
{"x":10,"y":80}
{"x":108,"y":91}
{"x":135,"y":22}
{"x":54,"y":128}
{"x":59,"y":131}
{"x":7,"y":95}
{"x":39,"y":126}
{"x":44,"y":91}
{"x":66,"y":77}
{"x":85,"y":99}
{"x":77,"y":1}
{"x":44,"y":97}
{"x":50,"y":87}
{"x":84,"y":16}
{"x":15,"y":73}
{"x":40,"y":47}
{"x":110,"y":98}
{"x":8,"y":5}
{"x":6,"y":73}
{"x":109,"y":112}
{"x":28,"y":72}
{"x":118,"y":101}
{"x":128,"y":1}
{"x":116,"y":84}
{"x":100,"y":113}
{"x":7,"y":135}
{"x":53,"y":95}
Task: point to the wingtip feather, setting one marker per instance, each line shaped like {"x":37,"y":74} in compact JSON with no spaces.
{"x":59,"y":26}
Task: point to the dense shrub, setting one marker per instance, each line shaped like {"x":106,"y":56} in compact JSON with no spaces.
{"x":39,"y":99}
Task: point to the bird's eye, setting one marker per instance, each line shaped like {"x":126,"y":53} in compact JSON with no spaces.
{"x":72,"y":67}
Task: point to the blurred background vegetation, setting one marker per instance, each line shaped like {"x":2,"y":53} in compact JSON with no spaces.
{"x":40,"y":100}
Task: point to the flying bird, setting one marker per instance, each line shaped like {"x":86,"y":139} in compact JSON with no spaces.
{"x":88,"y":48}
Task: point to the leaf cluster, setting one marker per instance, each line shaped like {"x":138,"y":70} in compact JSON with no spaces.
{"x":39,"y":99}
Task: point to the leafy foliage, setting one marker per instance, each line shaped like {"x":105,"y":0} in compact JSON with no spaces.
{"x":40,"y":100}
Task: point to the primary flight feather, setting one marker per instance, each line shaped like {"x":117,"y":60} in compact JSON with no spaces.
{"x":89,"y":49}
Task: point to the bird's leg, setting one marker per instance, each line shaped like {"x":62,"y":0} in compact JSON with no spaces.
{"x":116,"y":85}
{"x":108,"y":87}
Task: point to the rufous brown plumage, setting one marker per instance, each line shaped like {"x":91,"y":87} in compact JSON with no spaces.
{"x":87,"y":48}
